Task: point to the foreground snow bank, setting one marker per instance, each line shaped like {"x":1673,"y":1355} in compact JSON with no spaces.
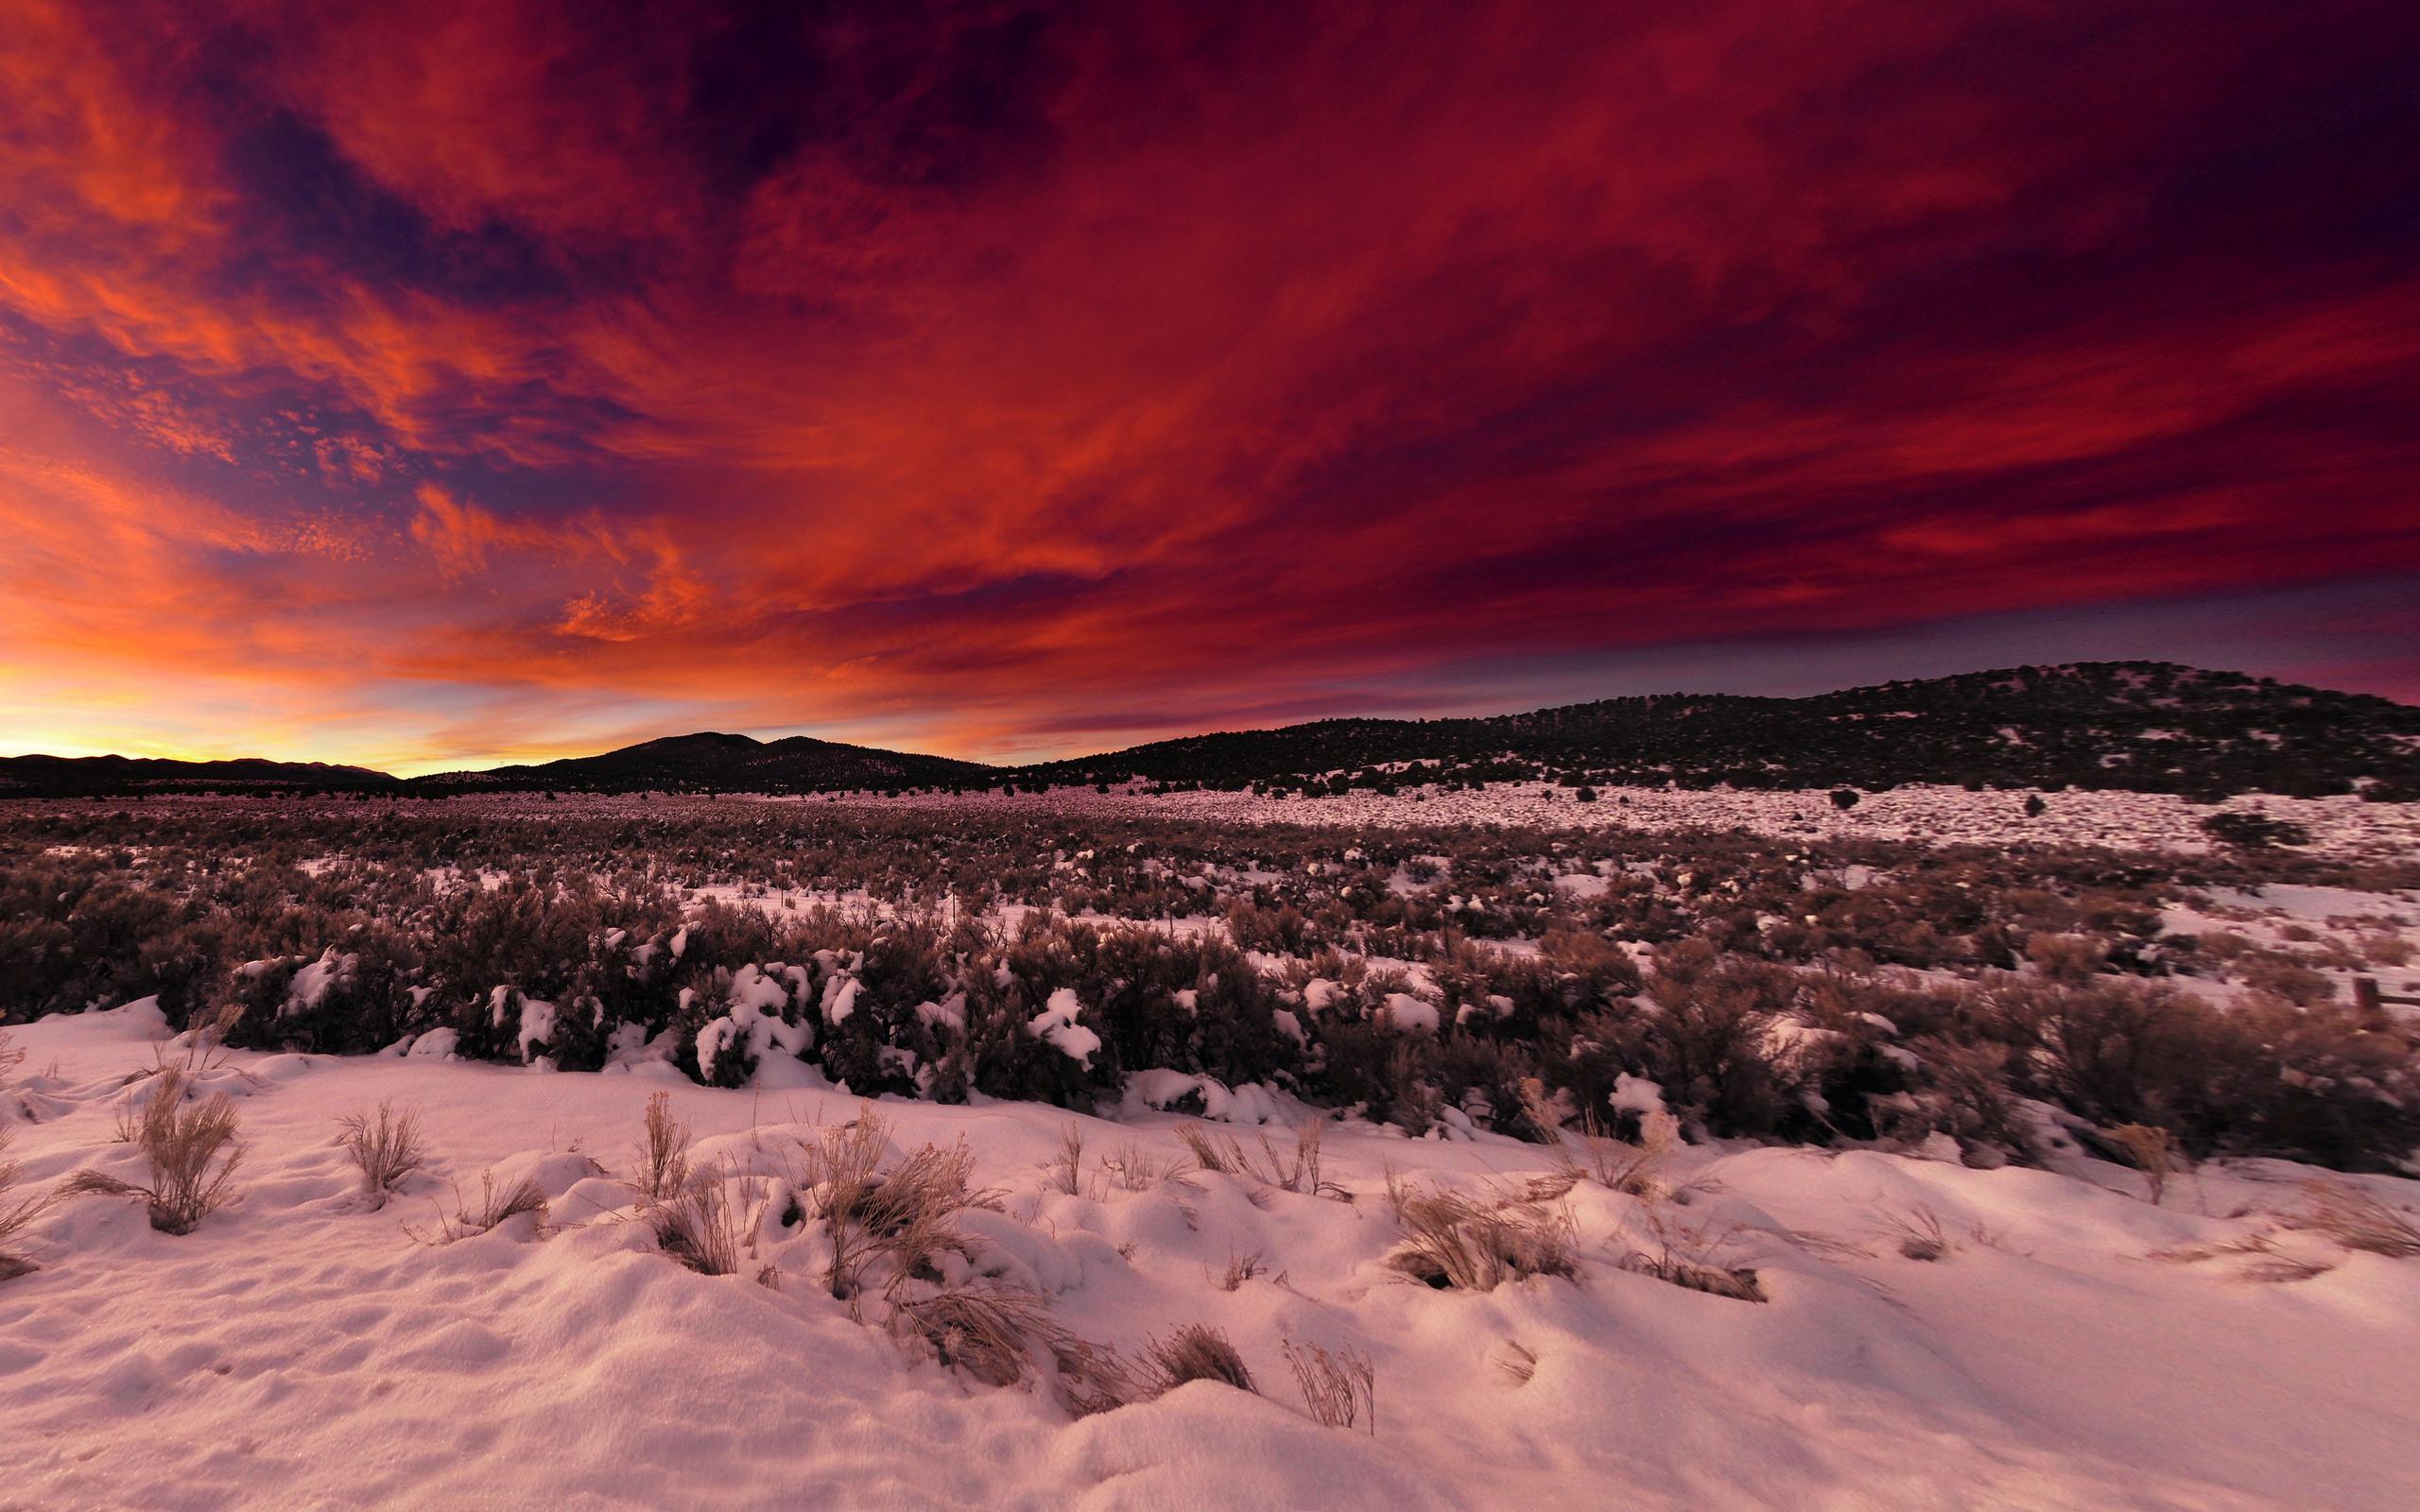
{"x":2071,"y":1345}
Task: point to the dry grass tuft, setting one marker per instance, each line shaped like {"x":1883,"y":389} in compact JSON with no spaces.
{"x":1295,"y":1171}
{"x":1241,"y":1268}
{"x":981,"y":1331}
{"x":2153,"y":1152}
{"x":190,"y":1180}
{"x":663,"y":1158}
{"x":1519,"y":1361}
{"x":1194,"y":1353}
{"x":1338,"y":1390}
{"x":387,"y":1146}
{"x":1694,"y":1257}
{"x":1458,"y":1241}
{"x":1066,"y":1170}
{"x":2262,"y":1262}
{"x":11,"y":1055}
{"x":903,"y":1215}
{"x":702,"y":1227}
{"x":1630,"y":1169}
{"x":991,"y":1333}
{"x":15,"y":1215}
{"x":2356,"y":1220}
{"x":495,"y":1206}
{"x":1918,"y":1234}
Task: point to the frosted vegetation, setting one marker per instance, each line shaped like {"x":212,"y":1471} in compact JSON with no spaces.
{"x":1009,"y":1157}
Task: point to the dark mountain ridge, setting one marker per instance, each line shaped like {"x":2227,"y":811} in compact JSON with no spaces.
{"x":2139,"y":726}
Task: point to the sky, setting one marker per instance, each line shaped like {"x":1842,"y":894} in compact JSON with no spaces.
{"x":435,"y":384}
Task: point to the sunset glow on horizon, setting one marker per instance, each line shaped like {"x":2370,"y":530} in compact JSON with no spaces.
{"x":437,"y":385}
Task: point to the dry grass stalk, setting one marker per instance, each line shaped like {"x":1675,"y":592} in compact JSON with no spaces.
{"x":2153,"y":1152}
{"x":702,"y":1227}
{"x":2356,"y":1220}
{"x":1631,"y":1169}
{"x":387,"y":1146}
{"x":190,"y":1180}
{"x":1918,"y":1234}
{"x":1241,"y":1268}
{"x":903,"y":1215}
{"x":992,"y":1334}
{"x":1208,"y":1155}
{"x":1066,"y":1170}
{"x":1296,"y":1171}
{"x":11,"y":1055}
{"x":664,"y":1158}
{"x":1694,"y":1258}
{"x":1458,"y":1241}
{"x":1130,"y":1170}
{"x":1194,"y":1353}
{"x":495,"y":1206}
{"x":1519,"y":1361}
{"x":1338,"y":1390}
{"x":14,"y":1216}
{"x":205,"y":1048}
{"x":2262,"y":1262}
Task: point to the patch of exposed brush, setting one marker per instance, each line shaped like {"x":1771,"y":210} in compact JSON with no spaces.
{"x":192,"y":1152}
{"x":1460,"y":1242}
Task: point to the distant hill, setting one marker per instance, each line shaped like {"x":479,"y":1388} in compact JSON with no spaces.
{"x":2143,"y":726}
{"x":2139,"y":725}
{"x":128,"y":775}
{"x":726,"y":764}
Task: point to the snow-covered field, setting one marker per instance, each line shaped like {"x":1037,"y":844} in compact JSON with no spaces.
{"x":299,"y":1350}
{"x":2341,"y":827}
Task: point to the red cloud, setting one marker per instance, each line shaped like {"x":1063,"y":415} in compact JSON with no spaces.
{"x":1043,"y":367}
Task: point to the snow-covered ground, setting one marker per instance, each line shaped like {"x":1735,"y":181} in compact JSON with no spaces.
{"x":2343,"y":826}
{"x":300,"y":1350}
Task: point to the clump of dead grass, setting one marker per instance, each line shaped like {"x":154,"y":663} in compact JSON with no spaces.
{"x":2261,"y":1259}
{"x":2153,"y":1152}
{"x":902,"y":1215}
{"x":1919,"y":1234}
{"x":1297,"y":1170}
{"x":496,"y":1205}
{"x":1194,"y":1353}
{"x":1340,"y":1389}
{"x":1518,"y":1361}
{"x":192,"y":1152}
{"x":2356,"y":1220}
{"x":704,"y":1227}
{"x":663,"y":1153}
{"x":386,"y":1146}
{"x":1697,"y":1257}
{"x":15,"y":1215}
{"x":1467,"y":1244}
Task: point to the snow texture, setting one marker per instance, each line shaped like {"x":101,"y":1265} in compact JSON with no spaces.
{"x":2072,"y":1347}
